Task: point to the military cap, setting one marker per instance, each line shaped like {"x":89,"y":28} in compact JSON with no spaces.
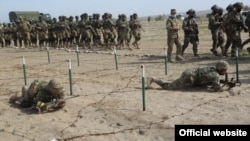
{"x":173,"y":10}
{"x":221,"y":65}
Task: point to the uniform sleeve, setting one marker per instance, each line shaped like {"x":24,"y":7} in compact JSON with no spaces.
{"x":215,"y":80}
{"x":169,"y":25}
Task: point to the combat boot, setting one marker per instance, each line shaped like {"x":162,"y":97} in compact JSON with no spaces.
{"x":170,"y":59}
{"x":248,"y":49}
{"x":179,"y":58}
{"x":149,"y":82}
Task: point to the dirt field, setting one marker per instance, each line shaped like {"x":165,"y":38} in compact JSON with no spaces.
{"x":110,"y":104}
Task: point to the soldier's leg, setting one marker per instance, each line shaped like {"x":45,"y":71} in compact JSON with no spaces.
{"x":228,"y":44}
{"x":159,"y":82}
{"x":178,"y":56}
{"x":215,"y":42}
{"x":236,"y":44}
{"x":195,"y":46}
{"x":170,"y":48}
{"x":185,"y":45}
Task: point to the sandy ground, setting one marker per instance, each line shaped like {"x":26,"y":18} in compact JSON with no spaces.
{"x":110,"y":104}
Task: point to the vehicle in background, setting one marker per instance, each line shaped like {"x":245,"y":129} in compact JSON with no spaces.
{"x":28,"y":16}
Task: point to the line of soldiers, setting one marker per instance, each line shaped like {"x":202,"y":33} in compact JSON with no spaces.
{"x":231,"y":23}
{"x":88,"y":31}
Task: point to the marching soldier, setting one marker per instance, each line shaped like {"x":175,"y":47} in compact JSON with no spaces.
{"x":191,"y":32}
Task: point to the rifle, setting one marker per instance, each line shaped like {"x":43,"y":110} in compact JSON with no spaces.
{"x":51,"y":104}
{"x":230,"y":84}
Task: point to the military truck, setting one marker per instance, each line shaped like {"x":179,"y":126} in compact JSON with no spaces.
{"x":28,"y":16}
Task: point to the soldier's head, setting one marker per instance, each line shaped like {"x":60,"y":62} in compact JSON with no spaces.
{"x":229,"y":8}
{"x":20,"y":19}
{"x":123,"y":17}
{"x":40,"y":18}
{"x":55,"y":88}
{"x":215,"y":8}
{"x":84,"y":16}
{"x":191,"y":13}
{"x":71,"y":18}
{"x":220,"y":11}
{"x":135,"y":15}
{"x":173,"y":13}
{"x":238,"y":6}
{"x":222,"y":67}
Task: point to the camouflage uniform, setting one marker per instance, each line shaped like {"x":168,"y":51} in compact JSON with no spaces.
{"x":24,"y":29}
{"x":172,"y":27}
{"x":42,"y":32}
{"x":247,"y":22}
{"x":108,"y":27}
{"x":227,"y":30}
{"x":205,"y":76}
{"x":123,"y":31}
{"x":2,"y":41}
{"x":97,"y":24}
{"x":221,"y":38}
{"x":39,"y":93}
{"x":191,"y":32}
{"x":214,"y":25}
{"x":235,"y":22}
{"x":85,"y":31}
{"x":7,"y":34}
{"x":136,"y":30}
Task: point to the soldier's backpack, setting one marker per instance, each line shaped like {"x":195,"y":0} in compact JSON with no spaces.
{"x":247,"y":21}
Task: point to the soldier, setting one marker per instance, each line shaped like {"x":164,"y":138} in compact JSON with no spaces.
{"x":214,"y":25}
{"x":85,"y":31}
{"x":136,"y":30}
{"x":73,"y":30}
{"x":247,"y":22}
{"x":24,"y":29}
{"x":206,"y":76}
{"x":108,"y":27}
{"x":42,"y":32}
{"x":33,"y":33}
{"x":173,"y":27}
{"x":123,"y":32}
{"x":221,"y":38}
{"x":227,"y":30}
{"x":191,"y":32}
{"x":2,"y":41}
{"x":41,"y":94}
{"x":7,"y":32}
{"x":236,"y":24}
{"x":97,"y":27}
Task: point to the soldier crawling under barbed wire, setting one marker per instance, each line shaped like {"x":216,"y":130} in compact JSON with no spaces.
{"x":206,"y":76}
{"x":43,"y":95}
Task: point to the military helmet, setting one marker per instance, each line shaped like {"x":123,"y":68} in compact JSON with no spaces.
{"x":55,"y":86}
{"x":190,"y":11}
{"x":215,"y":8}
{"x":221,"y":65}
{"x":135,"y":15}
{"x":238,"y":5}
{"x":230,"y":7}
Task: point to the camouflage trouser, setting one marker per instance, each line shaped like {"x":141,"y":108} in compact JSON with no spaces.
{"x":186,"y":79}
{"x":215,"y":36}
{"x":123,"y":37}
{"x":228,"y":42}
{"x":137,"y":35}
{"x":190,"y":38}
{"x":221,"y":41}
{"x":171,"y":42}
{"x":236,"y":42}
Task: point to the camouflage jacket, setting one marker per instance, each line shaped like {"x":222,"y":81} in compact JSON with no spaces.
{"x":190,"y":26}
{"x":171,"y":26}
{"x":204,"y":76}
{"x":213,"y":22}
